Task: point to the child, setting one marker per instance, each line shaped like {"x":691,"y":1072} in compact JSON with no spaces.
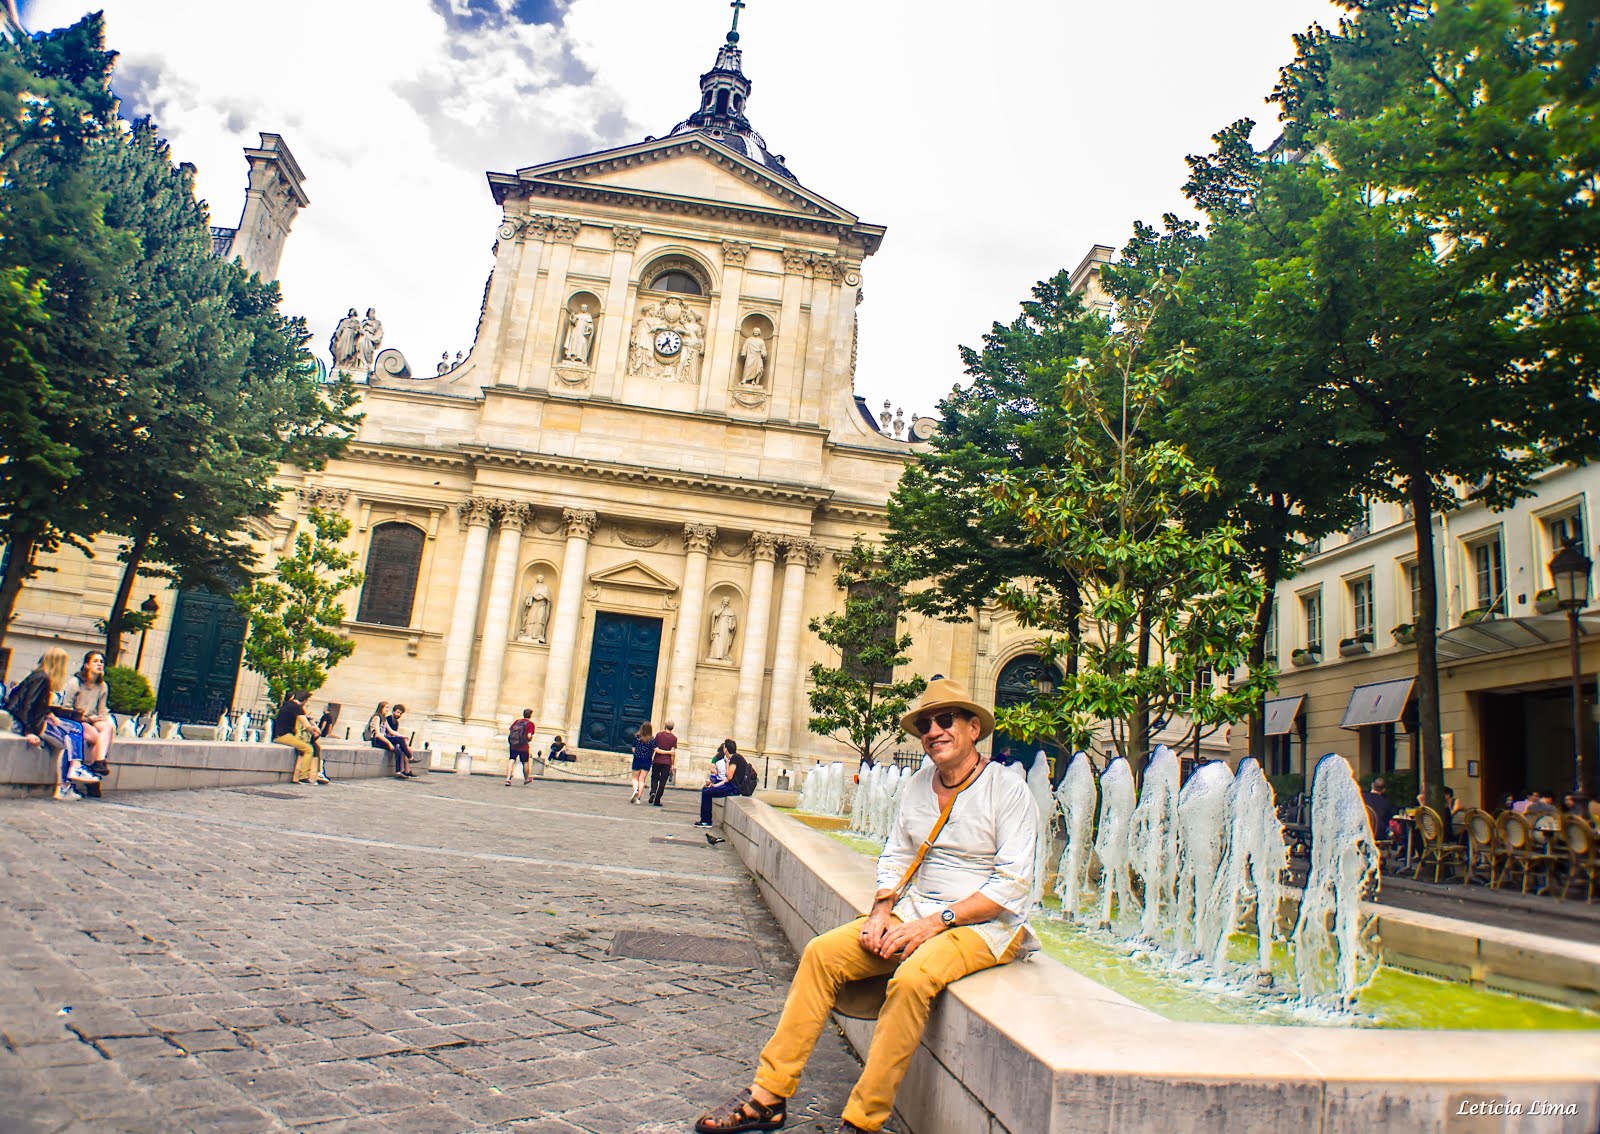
{"x":520,"y":737}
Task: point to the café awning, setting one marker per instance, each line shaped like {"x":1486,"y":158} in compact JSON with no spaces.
{"x":1382,"y":702}
{"x":1495,"y":635}
{"x":1281,"y":713}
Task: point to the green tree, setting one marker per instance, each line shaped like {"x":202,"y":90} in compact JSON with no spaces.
{"x":1437,"y":292}
{"x":295,"y":617}
{"x":61,"y":327}
{"x":1166,"y":606}
{"x":858,"y":702}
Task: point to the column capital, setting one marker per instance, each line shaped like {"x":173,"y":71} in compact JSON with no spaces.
{"x":626,"y":237}
{"x":734,"y":252}
{"x":796,"y":262}
{"x":564,"y":230}
{"x":328,"y":499}
{"x":698,"y":537}
{"x":825,"y":267}
{"x":476,"y":510}
{"x":529,"y":227}
{"x":800,"y":549}
{"x":763,"y":545}
{"x":514,"y":514}
{"x":580,"y":522}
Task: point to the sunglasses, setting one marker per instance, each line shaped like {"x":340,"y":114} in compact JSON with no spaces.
{"x":944,"y":720}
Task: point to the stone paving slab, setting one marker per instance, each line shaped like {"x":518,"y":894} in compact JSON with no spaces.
{"x":379,"y":956}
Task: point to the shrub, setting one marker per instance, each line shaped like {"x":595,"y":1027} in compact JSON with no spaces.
{"x":128,"y":691}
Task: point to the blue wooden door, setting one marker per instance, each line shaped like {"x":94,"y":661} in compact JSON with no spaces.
{"x":620,"y":691}
{"x":202,"y":664}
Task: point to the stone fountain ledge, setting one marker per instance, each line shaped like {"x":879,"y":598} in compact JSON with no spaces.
{"x":1035,"y":1048}
{"x":163,"y":765}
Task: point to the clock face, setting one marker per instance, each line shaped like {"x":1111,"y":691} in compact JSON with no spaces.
{"x":668,"y":343}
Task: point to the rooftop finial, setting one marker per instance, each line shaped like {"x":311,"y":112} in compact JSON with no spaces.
{"x":733,"y":32}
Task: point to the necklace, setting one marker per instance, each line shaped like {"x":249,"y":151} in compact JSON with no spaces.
{"x":952,"y":787}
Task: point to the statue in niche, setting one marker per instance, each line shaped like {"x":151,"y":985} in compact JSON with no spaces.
{"x":580,"y":336}
{"x":754,"y":355}
{"x":536,"y":613}
{"x":344,"y":346}
{"x":369,"y":339}
{"x":724,"y":624}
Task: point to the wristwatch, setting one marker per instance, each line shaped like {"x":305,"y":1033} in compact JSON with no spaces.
{"x":948,"y":917}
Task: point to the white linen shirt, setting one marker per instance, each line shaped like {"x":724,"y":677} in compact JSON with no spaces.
{"x":987,"y":848}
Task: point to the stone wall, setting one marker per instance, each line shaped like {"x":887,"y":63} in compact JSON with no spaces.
{"x":1035,"y":1048}
{"x":143,"y":765}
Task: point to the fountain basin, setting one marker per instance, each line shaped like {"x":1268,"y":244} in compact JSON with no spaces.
{"x":1035,"y":1048}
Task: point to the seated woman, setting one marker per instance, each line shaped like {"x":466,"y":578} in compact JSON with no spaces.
{"x":31,"y":716}
{"x":722,"y":781}
{"x":558,"y":750}
{"x":402,"y":747}
{"x":86,"y":693}
{"x":377,"y":733}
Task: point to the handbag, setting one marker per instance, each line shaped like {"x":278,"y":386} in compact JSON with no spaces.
{"x":863,"y":999}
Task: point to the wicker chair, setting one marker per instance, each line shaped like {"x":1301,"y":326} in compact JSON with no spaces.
{"x":1524,"y":857}
{"x":1584,"y":848}
{"x":1486,"y":853}
{"x":1437,"y":849}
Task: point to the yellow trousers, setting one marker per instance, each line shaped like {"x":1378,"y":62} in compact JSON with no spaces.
{"x":305,"y":765}
{"x":837,"y":956}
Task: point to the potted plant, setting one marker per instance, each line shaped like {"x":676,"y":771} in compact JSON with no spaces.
{"x":1477,"y":614}
{"x":1307,"y":655}
{"x":1545,"y":602}
{"x":1355,"y":646}
{"x":1405,"y":634}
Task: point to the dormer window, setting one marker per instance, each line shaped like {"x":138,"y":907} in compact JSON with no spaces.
{"x":674,"y":280}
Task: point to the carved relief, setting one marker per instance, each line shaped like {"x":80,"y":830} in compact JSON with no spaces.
{"x":573,"y":377}
{"x":763,"y":545}
{"x":625,"y":237}
{"x":547,"y":523}
{"x":580,"y":522}
{"x":640,"y":537}
{"x":668,"y":342}
{"x":530,"y":227}
{"x":513,"y":513}
{"x":734,"y":252}
{"x":698,"y":537}
{"x":476,"y":510}
{"x":328,"y":499}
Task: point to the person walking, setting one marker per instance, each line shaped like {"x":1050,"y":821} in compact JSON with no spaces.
{"x":662,"y":763}
{"x":726,"y":779}
{"x":520,"y":736}
{"x":644,"y":749}
{"x":33,"y":718}
{"x":955,"y":884}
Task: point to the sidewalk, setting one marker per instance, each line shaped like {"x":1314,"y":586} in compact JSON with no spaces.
{"x":385,"y":956}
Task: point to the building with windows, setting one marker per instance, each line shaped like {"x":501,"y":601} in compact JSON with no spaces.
{"x":1341,"y":633}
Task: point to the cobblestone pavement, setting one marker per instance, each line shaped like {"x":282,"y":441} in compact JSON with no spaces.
{"x":385,"y":956}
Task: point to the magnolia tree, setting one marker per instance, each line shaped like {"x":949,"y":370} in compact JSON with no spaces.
{"x":1165,"y":604}
{"x":295,"y":615}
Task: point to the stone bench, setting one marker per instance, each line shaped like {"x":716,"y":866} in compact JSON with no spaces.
{"x":143,"y":765}
{"x":1036,"y":1048}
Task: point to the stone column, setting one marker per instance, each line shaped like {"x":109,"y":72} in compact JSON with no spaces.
{"x":753,"y":658}
{"x":498,"y":614}
{"x":477,"y":514}
{"x":686,"y":643}
{"x":798,"y":556}
{"x":564,"y":629}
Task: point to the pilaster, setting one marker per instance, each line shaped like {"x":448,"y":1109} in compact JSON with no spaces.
{"x":753,"y":657}
{"x":477,"y":514}
{"x":559,"y":677}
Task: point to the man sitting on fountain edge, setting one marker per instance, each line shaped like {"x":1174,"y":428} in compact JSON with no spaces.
{"x":955,"y":885}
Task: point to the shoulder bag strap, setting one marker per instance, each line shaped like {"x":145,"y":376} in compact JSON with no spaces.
{"x":927,"y":843}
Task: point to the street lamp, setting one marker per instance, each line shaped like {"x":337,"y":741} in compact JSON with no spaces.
{"x":1569,"y":571}
{"x":151,"y":608}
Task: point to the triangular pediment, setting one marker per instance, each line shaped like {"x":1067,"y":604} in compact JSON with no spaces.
{"x":688,"y":168}
{"x":633,"y":576}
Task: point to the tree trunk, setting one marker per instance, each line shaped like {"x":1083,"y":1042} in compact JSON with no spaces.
{"x":1258,"y":655}
{"x":1139,"y":733}
{"x":1430,"y":765}
{"x":119,"y":605}
{"x":19,"y":565}
{"x":1074,"y":603}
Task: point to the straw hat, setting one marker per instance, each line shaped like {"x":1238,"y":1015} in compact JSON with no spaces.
{"x":943,"y":693}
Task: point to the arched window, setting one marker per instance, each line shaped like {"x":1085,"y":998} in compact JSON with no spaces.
{"x":1018,"y":684}
{"x":393,"y":560}
{"x":675,"y":280}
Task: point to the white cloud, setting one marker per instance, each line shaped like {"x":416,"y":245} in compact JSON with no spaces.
{"x":997,"y":143}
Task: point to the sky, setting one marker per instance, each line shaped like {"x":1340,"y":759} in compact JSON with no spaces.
{"x":997,"y":142}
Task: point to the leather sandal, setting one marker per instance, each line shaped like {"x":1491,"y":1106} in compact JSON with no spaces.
{"x":742,"y":1112}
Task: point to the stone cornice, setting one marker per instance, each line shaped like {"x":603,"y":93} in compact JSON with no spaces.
{"x":844,"y":511}
{"x":507,"y":391}
{"x":645,"y":477}
{"x":407,"y":455}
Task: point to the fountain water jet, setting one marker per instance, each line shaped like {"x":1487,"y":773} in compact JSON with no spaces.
{"x":1153,"y":841}
{"x":1111,"y":843}
{"x":1077,"y":797}
{"x":1333,"y":953}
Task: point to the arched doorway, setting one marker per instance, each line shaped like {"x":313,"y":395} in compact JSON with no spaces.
{"x":1018,"y":684}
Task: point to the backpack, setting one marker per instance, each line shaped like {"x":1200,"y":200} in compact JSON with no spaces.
{"x":745,"y":778}
{"x":367,"y":734}
{"x":519,"y":732}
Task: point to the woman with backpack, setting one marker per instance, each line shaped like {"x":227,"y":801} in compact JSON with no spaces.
{"x":730,"y":774}
{"x":520,"y":737}
{"x":376,"y":734}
